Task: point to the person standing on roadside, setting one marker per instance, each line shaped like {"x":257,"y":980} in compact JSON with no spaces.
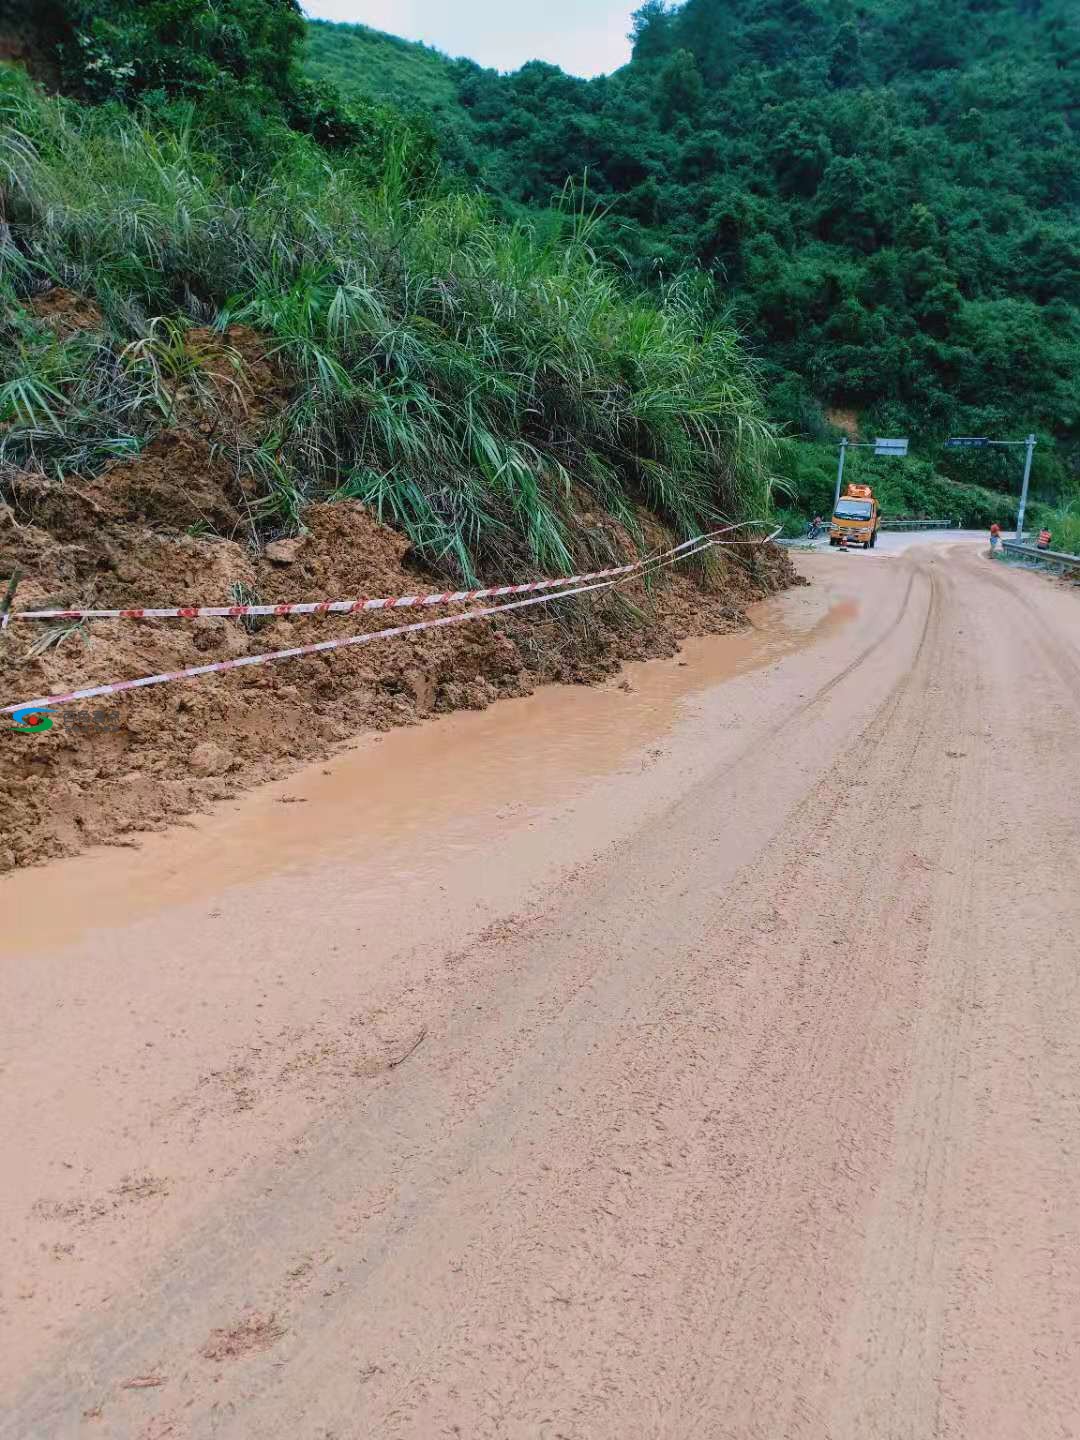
{"x":995,"y":535}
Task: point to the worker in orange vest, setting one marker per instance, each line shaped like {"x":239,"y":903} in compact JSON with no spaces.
{"x":1044,"y":539}
{"x":995,"y":535}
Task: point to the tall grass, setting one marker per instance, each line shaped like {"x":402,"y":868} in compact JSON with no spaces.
{"x":481,"y":388}
{"x":1064,"y":527}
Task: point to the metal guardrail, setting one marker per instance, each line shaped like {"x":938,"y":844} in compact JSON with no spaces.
{"x":1056,"y":557}
{"x":896,"y":524}
{"x":899,"y":523}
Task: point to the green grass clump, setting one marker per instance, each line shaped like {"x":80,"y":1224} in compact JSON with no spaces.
{"x":1064,"y":527}
{"x":477,"y":386}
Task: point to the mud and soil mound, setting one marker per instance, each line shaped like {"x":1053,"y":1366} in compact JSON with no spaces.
{"x":169,"y":528}
{"x":66,"y":312}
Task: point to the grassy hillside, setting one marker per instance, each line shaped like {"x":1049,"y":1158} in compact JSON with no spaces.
{"x":480,"y":389}
{"x":1064,"y":527}
{"x":363,"y":64}
{"x":359,"y":61}
{"x":888,"y":196}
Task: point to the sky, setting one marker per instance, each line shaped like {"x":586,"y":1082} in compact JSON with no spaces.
{"x":584,"y":37}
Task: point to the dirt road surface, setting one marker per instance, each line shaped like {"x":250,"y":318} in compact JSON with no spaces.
{"x":699,"y":1058}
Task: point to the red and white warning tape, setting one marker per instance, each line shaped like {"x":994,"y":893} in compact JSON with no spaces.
{"x":352,"y":607}
{"x":293,"y":654}
{"x":680,"y":552}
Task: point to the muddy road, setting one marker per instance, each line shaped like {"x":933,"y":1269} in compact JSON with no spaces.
{"x":698,"y":1057}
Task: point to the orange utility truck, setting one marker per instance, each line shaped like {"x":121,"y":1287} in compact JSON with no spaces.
{"x":856,"y":519}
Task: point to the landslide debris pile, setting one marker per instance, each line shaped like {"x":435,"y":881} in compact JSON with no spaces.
{"x":309,"y":384}
{"x":166,"y":527}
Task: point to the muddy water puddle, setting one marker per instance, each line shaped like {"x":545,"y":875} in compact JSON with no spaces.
{"x":447,"y":782}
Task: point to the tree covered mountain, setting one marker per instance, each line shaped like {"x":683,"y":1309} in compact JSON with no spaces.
{"x":888,"y":192}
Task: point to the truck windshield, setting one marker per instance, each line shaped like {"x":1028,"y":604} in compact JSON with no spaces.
{"x":854,"y":510}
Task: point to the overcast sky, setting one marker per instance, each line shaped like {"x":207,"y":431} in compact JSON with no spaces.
{"x":585,"y":37}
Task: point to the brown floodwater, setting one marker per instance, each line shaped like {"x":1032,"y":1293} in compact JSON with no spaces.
{"x":444,"y":782}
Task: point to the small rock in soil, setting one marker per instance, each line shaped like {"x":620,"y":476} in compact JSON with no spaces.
{"x":283,"y":552}
{"x":210,"y":759}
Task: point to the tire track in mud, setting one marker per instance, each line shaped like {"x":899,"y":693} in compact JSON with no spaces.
{"x":594,"y":1003}
{"x":892,"y":1343}
{"x":744,"y":1404}
{"x":1063,"y":662}
{"x":1014,"y":1221}
{"x":218,"y":1254}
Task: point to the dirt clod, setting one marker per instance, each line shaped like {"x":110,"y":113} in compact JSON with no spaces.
{"x":66,"y":312}
{"x":283,"y":552}
{"x":210,"y":759}
{"x":256,"y":1332}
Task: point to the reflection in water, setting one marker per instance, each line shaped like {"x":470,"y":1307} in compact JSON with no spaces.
{"x":445,"y":782}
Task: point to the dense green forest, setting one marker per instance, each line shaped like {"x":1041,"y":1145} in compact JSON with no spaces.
{"x":886,"y":194}
{"x":485,"y":388}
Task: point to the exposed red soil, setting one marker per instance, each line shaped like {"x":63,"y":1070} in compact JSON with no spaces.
{"x":846,"y":420}
{"x":66,"y":312}
{"x":149,"y":532}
